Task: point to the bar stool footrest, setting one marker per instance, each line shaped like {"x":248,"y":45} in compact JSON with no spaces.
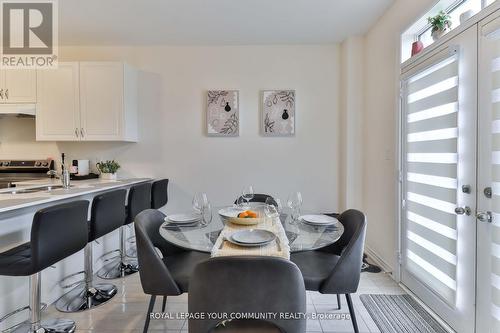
{"x":45,"y":326}
{"x":118,"y":269}
{"x":43,"y":306}
{"x":82,"y":298}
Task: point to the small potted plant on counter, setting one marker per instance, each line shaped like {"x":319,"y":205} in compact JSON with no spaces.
{"x":108,"y":169}
{"x":441,"y":24}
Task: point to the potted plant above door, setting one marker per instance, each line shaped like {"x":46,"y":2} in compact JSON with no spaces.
{"x":441,"y":24}
{"x":108,"y":169}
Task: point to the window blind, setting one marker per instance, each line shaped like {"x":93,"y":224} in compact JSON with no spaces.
{"x":430,"y":179}
{"x":495,"y":200}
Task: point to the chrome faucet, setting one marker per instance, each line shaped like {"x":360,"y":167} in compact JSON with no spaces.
{"x":53,"y":174}
{"x":64,"y":177}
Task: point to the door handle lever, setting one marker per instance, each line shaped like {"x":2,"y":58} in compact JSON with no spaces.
{"x":486,"y":217}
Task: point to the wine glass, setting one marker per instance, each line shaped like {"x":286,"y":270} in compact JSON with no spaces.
{"x":206,"y":213}
{"x":270,"y":209}
{"x":294,"y":203}
{"x":247,"y":194}
{"x":278,"y":205}
{"x":199,"y":201}
{"x":240,"y":203}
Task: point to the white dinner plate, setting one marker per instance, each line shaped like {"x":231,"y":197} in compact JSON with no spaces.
{"x":231,"y":240}
{"x":183,"y":218}
{"x":319,"y":219}
{"x":253,"y":236}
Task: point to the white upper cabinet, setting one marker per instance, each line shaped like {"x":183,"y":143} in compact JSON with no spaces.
{"x":58,"y":109}
{"x":18,"y":86}
{"x":104,"y":110}
{"x":105,"y":94}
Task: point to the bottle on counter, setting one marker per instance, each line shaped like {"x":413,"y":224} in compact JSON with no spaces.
{"x":74,"y":167}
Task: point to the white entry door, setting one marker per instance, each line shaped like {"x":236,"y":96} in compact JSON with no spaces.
{"x":488,"y":225}
{"x":439,"y":136}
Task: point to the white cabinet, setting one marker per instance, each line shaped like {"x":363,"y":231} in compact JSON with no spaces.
{"x":17,"y":86}
{"x":102,"y":105}
{"x":58,"y":108}
{"x":104,"y":109}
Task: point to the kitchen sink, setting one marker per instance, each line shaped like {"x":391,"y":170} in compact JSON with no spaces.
{"x":48,"y":188}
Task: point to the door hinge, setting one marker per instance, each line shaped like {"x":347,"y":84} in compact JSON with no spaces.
{"x":403,"y":203}
{"x":399,"y":257}
{"x":402,"y":89}
{"x":402,"y":92}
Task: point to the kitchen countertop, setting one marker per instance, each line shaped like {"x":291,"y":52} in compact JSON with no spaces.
{"x":10,"y":201}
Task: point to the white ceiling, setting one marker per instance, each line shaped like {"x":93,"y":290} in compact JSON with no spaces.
{"x":214,"y":22}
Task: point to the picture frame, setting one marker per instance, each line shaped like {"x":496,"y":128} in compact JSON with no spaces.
{"x":223,"y":113}
{"x":278,"y":112}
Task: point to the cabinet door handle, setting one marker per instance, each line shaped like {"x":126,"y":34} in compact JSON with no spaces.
{"x":82,"y":132}
{"x":7,"y":93}
{"x":76,"y":132}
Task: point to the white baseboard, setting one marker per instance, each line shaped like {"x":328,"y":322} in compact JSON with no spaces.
{"x":376,"y":259}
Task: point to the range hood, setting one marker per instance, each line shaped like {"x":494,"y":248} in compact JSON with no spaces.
{"x":23,"y":110}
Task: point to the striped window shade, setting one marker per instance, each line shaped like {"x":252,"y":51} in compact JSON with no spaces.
{"x":495,"y":200}
{"x":430,"y":176}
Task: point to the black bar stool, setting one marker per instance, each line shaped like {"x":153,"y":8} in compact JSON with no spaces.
{"x":139,"y":199}
{"x":107,"y":215}
{"x":159,"y":193}
{"x":57,"y":232}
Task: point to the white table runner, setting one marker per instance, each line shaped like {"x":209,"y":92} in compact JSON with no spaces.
{"x":277,"y":248}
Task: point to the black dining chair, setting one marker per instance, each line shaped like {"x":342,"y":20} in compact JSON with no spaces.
{"x":165,"y":275}
{"x":159,"y":193}
{"x":247,"y":284}
{"x":258,"y":198}
{"x":336,"y":269}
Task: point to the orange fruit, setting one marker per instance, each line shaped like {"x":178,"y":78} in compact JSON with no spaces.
{"x":252,"y":214}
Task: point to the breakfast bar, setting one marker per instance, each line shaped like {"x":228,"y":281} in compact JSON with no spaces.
{"x":18,"y":206}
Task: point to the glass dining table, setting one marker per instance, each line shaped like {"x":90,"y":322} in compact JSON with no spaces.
{"x":301,"y":236}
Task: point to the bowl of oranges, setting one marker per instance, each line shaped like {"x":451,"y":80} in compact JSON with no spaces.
{"x":239,"y":216}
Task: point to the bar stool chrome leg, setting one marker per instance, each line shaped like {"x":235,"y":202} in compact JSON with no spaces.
{"x":86,"y":295}
{"x":35,"y":324}
{"x":121,"y":266}
{"x":132,"y":250}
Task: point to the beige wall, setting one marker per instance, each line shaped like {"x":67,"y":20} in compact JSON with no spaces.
{"x":351,"y":125}
{"x":351,"y":140}
{"x":382,"y":44}
{"x":173,"y":83}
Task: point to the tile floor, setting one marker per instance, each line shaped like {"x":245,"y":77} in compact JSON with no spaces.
{"x":127,"y":310}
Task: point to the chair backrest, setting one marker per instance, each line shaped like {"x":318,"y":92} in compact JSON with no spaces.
{"x":258,"y":198}
{"x":247,"y":285}
{"x":107,"y":213}
{"x":58,"y":232}
{"x":159,"y":193}
{"x":344,"y":278}
{"x":139,"y":199}
{"x":155,"y":276}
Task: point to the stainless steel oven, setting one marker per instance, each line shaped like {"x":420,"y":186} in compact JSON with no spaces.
{"x":14,"y":171}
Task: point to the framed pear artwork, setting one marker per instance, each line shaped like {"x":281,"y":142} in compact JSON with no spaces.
{"x":278,"y":112}
{"x":223,"y":113}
